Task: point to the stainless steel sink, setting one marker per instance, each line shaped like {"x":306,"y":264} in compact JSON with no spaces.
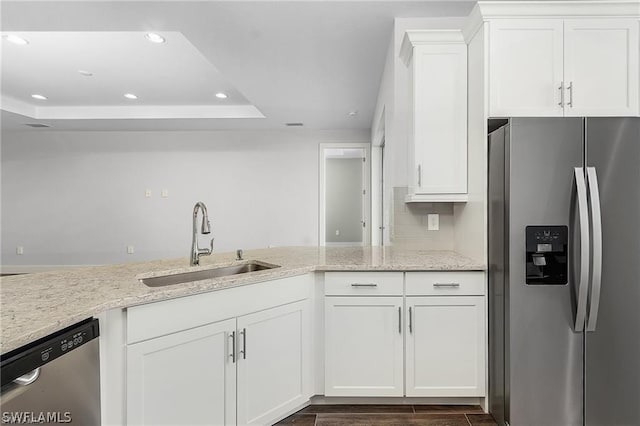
{"x":205,"y":274}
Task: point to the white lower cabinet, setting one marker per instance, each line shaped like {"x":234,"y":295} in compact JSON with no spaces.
{"x":445,"y":352}
{"x":424,"y":339}
{"x":252,"y":369}
{"x":273,"y":362}
{"x":183,"y":378}
{"x":363,"y":346}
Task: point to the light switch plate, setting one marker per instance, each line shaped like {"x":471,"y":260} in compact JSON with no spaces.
{"x":433,"y":222}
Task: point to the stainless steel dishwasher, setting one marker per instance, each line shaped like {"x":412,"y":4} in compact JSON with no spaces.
{"x":53,"y":380}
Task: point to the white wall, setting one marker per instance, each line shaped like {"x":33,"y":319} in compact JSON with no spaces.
{"x":76,"y":198}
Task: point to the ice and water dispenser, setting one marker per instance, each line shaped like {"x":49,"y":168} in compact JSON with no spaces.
{"x":547,"y":254}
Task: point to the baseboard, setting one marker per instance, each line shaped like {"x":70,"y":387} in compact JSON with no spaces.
{"x":392,"y":400}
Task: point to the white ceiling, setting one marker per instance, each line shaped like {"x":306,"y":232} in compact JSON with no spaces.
{"x":295,"y":61}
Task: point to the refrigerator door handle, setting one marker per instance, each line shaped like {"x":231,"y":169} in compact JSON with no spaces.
{"x":583,"y":286}
{"x":596,"y":248}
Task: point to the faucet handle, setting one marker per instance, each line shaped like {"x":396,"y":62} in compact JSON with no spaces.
{"x":206,"y":251}
{"x":239,"y":253}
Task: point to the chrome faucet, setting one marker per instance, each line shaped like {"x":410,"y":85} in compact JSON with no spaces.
{"x":196,"y":252}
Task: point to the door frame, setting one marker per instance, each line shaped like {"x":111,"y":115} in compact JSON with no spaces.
{"x":322,"y":147}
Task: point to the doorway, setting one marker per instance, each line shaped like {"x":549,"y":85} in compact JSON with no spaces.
{"x":344,"y":195}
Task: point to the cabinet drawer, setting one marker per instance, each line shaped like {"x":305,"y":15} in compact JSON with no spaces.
{"x":363,"y":283}
{"x":445,"y":283}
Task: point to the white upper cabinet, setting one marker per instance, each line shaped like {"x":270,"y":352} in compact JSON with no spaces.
{"x":601,"y":67}
{"x":525,"y":67}
{"x":554,"y":67}
{"x":437,"y":62}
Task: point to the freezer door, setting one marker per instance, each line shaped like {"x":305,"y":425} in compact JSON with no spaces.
{"x":497,"y":269}
{"x":613,"y":348}
{"x":545,"y":353}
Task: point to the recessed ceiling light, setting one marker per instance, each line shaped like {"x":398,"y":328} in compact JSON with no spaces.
{"x":85,"y":73}
{"x":37,"y":125}
{"x":130,"y":96}
{"x":353,"y":113}
{"x":39,"y":97}
{"x":155,"y":38}
{"x":16,"y":39}
{"x":221,"y":95}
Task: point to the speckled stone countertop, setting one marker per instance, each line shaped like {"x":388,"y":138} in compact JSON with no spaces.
{"x":35,"y":305}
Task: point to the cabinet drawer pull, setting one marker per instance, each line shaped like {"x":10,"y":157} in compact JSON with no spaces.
{"x":410,"y":321}
{"x":570,"y":88}
{"x":364,"y":285}
{"x":244,"y":343}
{"x":232,"y":336}
{"x":449,"y":285}
{"x":561,"y":89}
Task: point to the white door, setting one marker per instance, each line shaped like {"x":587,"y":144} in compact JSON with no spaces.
{"x":601,"y":67}
{"x":525,"y":68}
{"x":273,"y":362}
{"x":445,"y":346}
{"x":440,"y":118}
{"x":183,"y":378}
{"x":363,"y":346}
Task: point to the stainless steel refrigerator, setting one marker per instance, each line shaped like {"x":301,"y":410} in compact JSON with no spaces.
{"x":564,"y":271}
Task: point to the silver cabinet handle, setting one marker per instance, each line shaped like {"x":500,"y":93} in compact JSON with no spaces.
{"x":399,"y":319}
{"x":596,"y":249}
{"x":364,"y":285}
{"x":233,"y":346}
{"x":410,"y":321}
{"x":27,"y":379}
{"x":570,"y":89}
{"x":244,"y":343}
{"x":450,"y":285}
{"x":561,"y":89}
{"x":583,"y":286}
{"x":419,"y":175}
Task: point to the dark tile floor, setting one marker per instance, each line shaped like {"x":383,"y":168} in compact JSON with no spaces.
{"x":390,"y":415}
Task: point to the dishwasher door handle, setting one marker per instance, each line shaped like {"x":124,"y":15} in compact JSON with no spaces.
{"x":28,"y":378}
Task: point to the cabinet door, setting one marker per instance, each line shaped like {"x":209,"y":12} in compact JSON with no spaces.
{"x":601,"y":67}
{"x":273,"y":362}
{"x":525,"y":68}
{"x":183,"y":378}
{"x":445,"y":346}
{"x":363,"y":346}
{"x":440,"y":118}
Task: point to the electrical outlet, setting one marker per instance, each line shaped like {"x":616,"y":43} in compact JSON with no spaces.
{"x":130,"y":250}
{"x":20,"y":250}
{"x":337,"y":232}
{"x":147,"y":193}
{"x":433,"y":222}
{"x":164,"y":193}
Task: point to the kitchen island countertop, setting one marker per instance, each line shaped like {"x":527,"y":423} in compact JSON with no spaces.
{"x":35,"y":305}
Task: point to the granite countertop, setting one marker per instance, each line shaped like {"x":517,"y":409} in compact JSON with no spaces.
{"x":35,"y":305}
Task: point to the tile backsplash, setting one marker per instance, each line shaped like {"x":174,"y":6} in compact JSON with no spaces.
{"x":409,"y":224}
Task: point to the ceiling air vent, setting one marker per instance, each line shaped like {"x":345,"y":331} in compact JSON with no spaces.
{"x":37,"y":125}
{"x":294,"y":124}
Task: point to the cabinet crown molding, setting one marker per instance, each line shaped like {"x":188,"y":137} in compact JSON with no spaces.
{"x":413,"y":38}
{"x":557,"y":9}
